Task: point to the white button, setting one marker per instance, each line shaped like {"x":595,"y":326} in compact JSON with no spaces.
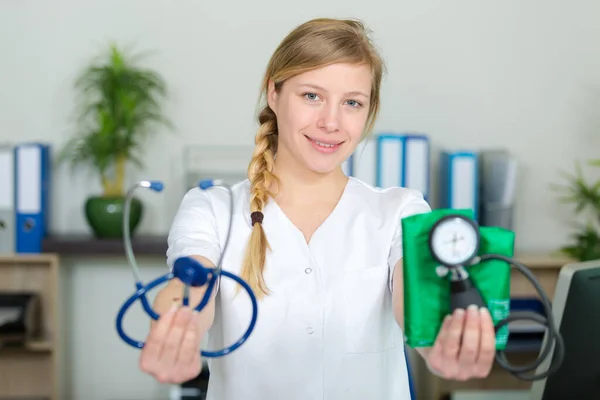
{"x":307,"y":271}
{"x":310,"y":330}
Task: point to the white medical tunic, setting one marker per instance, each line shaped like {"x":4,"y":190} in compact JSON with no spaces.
{"x":327,"y":330}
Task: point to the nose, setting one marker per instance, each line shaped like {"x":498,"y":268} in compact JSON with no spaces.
{"x":329,"y":118}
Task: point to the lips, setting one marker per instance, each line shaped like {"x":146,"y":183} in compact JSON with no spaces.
{"x":324,"y":146}
{"x":326,"y":143}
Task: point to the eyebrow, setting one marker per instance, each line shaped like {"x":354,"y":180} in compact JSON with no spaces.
{"x":317,"y":87}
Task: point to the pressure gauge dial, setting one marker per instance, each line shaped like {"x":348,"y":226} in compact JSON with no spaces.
{"x":454,"y":240}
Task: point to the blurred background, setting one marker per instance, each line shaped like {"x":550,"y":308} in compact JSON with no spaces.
{"x":523,"y":77}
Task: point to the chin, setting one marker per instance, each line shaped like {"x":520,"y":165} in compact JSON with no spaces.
{"x":322,"y":167}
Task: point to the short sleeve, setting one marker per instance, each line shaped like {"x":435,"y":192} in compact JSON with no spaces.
{"x":194,"y":229}
{"x":413,"y":204}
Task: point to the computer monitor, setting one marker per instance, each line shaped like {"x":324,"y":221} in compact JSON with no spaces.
{"x":576,"y":309}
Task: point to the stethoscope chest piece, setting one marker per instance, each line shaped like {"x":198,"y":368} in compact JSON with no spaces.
{"x":190,"y":272}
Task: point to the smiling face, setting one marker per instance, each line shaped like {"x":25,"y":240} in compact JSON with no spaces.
{"x":321,"y":115}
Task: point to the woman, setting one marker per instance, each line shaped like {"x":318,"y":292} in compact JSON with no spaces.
{"x":322,"y":251}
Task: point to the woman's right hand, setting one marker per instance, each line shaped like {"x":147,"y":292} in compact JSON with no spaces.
{"x":172,"y":350}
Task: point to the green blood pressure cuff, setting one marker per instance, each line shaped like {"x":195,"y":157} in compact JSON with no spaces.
{"x":427,"y":295}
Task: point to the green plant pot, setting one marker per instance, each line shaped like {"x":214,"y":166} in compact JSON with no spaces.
{"x":105,"y":216}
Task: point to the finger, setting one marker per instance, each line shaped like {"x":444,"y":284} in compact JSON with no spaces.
{"x":436,"y":354}
{"x":453,"y":337}
{"x":487,"y":350}
{"x":188,"y":360}
{"x":469,"y":348}
{"x":154,"y":342}
{"x":170,"y":350}
{"x":190,"y":344}
{"x":442,"y":333}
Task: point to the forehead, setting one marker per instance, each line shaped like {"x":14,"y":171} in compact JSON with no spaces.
{"x":339,"y":78}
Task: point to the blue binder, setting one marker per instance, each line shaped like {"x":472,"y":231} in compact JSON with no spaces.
{"x":347,"y":166}
{"x":403,"y":160}
{"x":459,"y":181}
{"x":362,"y":163}
{"x":416,"y":159}
{"x":390,"y":161}
{"x":32,"y":181}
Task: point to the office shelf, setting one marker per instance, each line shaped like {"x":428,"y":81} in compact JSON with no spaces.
{"x":82,"y":245}
{"x":35,"y":369}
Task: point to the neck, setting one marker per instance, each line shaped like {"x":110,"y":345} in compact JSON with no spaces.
{"x":299,"y":185}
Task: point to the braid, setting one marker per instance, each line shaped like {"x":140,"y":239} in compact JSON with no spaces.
{"x":316,"y":43}
{"x":260,"y":174}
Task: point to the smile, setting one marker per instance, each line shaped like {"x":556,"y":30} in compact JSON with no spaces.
{"x":324,"y":147}
{"x":324,"y":144}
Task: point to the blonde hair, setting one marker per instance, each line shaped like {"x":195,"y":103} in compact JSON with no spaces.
{"x":314,"y":44}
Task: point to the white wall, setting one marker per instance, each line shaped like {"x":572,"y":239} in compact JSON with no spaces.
{"x":525,"y":75}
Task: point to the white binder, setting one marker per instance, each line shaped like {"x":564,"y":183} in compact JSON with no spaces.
{"x":416,"y":163}
{"x":403,"y":160}
{"x":390,"y":160}
{"x":363,"y":162}
{"x":347,"y":166}
{"x":7,"y":200}
{"x":459,"y":181}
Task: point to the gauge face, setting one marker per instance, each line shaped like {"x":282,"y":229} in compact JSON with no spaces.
{"x":454,"y":241}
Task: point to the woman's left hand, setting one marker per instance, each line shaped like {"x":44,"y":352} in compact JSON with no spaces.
{"x":465,"y":346}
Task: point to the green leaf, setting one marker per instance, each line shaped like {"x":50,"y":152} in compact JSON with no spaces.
{"x":119,"y":106}
{"x":584,"y":245}
{"x":577,"y":191}
{"x":594,"y":163}
{"x":584,"y":242}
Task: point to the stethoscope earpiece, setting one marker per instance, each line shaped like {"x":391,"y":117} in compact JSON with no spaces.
{"x":157,"y":186}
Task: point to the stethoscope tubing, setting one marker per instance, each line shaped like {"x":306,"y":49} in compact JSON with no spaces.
{"x":214,"y":273}
{"x":141,"y":294}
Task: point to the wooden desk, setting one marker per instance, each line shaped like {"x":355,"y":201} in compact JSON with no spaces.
{"x":431,"y":387}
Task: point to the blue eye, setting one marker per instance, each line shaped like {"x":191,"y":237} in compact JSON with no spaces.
{"x":354,"y":103}
{"x":311,"y":96}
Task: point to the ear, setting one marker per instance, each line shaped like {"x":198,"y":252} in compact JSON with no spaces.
{"x":272,"y":96}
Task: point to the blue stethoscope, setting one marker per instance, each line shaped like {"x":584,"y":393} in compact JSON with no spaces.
{"x":186,"y":269}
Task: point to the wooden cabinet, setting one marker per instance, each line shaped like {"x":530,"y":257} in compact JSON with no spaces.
{"x":35,"y":370}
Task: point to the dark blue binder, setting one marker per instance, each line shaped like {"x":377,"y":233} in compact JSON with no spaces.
{"x":32,"y":182}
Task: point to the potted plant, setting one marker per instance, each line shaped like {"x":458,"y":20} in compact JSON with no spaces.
{"x":585,"y":196}
{"x":119,"y":107}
